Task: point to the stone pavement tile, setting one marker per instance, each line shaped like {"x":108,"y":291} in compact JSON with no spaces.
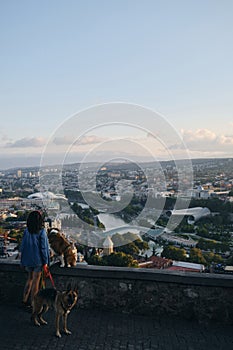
{"x":101,"y":330}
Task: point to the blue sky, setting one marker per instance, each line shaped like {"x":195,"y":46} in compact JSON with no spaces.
{"x":58,"y":57}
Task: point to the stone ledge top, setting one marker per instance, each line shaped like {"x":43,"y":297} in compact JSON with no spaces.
{"x":124,"y":273}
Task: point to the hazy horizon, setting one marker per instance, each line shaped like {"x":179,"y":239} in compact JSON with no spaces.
{"x":37,"y":164}
{"x":59,"y":58}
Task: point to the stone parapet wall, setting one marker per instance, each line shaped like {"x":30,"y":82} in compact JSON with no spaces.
{"x":141,"y":291}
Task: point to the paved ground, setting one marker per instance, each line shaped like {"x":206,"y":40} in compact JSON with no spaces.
{"x":100,"y":330}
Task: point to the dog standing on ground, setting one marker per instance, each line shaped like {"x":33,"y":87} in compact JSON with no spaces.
{"x":62,"y":302}
{"x":65,"y":250}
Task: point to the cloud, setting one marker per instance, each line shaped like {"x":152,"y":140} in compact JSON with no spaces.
{"x":85,"y":140}
{"x":4,"y":138}
{"x":63,"y":140}
{"x":198,"y":135}
{"x":27,"y":142}
{"x":205,"y":140}
{"x":91,"y":139}
{"x":199,"y":143}
{"x":226,"y":139}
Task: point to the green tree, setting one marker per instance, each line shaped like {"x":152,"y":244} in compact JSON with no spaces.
{"x":120,"y":259}
{"x":129,"y":243}
{"x":129,"y":248}
{"x":95,"y":260}
{"x":210,"y":257}
{"x":202,"y":231}
{"x":115,"y":259}
{"x":171,"y":252}
{"x":229,"y":261}
{"x":196,"y":256}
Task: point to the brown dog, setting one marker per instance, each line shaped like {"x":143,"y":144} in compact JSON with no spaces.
{"x":62,"y":247}
{"x":62,"y":302}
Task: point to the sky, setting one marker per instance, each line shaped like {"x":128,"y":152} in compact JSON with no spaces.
{"x":59,"y":58}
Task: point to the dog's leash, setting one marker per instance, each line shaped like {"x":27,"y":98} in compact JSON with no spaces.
{"x":51,"y":279}
{"x":47,"y":273}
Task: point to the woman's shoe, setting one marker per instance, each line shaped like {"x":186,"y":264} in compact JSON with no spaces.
{"x":26,"y":306}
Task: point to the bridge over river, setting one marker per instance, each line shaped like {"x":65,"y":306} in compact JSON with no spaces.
{"x":152,"y":233}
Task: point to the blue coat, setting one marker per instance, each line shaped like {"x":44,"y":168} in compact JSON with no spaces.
{"x":34,"y":249}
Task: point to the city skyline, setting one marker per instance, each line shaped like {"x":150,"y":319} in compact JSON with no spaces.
{"x":59,"y":58}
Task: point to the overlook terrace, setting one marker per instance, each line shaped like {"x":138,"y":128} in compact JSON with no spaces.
{"x":121,"y":308}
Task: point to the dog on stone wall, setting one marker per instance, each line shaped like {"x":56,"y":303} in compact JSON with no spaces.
{"x":62,"y":247}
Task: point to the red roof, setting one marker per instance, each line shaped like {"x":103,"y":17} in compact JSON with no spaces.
{"x":156,"y":262}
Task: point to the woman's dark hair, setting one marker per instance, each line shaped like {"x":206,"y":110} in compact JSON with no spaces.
{"x":35,"y":222}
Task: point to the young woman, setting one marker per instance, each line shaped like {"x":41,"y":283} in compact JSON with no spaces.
{"x":34,"y":254}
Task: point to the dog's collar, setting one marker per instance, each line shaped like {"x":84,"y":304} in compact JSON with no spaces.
{"x":53,"y":231}
{"x":66,"y":309}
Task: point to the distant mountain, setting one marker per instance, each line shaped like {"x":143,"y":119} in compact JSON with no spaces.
{"x":113,"y":166}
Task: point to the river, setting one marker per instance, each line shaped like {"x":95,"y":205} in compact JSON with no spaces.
{"x":110,"y":221}
{"x":114,"y":225}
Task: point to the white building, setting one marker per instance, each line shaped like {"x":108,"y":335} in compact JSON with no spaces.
{"x":108,"y":246}
{"x":47,"y":195}
{"x":192,"y":214}
{"x":188,"y":265}
{"x":201,"y":193}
